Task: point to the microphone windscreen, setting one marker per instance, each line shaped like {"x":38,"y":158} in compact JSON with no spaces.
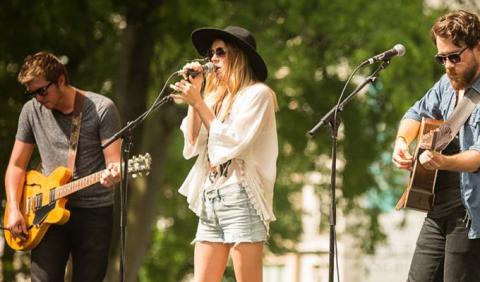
{"x":400,"y":49}
{"x":208,"y":67}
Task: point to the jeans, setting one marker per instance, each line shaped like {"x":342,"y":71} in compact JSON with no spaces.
{"x":86,"y":236}
{"x":229,"y":217}
{"x":444,"y":252}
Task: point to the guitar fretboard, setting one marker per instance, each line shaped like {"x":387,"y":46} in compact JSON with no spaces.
{"x":76,"y":185}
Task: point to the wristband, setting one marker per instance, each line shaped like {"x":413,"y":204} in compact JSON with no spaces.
{"x":402,"y":137}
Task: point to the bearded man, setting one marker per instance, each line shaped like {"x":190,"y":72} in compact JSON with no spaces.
{"x":448,"y":247}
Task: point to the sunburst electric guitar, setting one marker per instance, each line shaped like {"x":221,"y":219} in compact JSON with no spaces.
{"x":44,"y":198}
{"x":420,"y":193}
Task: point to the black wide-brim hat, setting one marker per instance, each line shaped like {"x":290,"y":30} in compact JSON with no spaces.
{"x":203,"y":38}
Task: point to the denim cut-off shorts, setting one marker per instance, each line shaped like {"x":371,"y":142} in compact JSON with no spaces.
{"x":229,"y":217}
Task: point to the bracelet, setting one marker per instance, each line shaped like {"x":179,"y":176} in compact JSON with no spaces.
{"x":402,"y":137}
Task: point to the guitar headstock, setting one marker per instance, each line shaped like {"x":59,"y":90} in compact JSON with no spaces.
{"x":139,"y":165}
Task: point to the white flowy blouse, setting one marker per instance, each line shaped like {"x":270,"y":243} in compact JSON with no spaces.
{"x":249,"y":137}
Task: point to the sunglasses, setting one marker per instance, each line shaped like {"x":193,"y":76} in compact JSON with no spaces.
{"x":452,"y":57}
{"x":220,"y":52}
{"x":42,"y":91}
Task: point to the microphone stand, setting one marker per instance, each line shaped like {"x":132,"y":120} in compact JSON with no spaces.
{"x":332,"y":119}
{"x":126,"y":134}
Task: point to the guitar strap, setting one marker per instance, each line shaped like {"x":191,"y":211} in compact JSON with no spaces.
{"x":449,"y":129}
{"x":75,"y":133}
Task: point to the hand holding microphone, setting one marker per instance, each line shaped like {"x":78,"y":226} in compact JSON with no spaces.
{"x":193,"y":69}
{"x":188,"y":90}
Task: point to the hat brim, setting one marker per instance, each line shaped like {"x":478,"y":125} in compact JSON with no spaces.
{"x":202,"y":39}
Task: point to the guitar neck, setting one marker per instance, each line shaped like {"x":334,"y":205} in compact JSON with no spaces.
{"x":138,"y":165}
{"x":79,"y":184}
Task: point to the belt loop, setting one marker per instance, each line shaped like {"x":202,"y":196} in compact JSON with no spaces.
{"x":218,"y":195}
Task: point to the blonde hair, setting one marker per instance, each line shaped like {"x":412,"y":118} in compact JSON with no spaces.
{"x":238,"y":75}
{"x":42,"y":64}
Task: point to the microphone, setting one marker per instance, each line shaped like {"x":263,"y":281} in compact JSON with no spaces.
{"x":397,"y":50}
{"x":206,"y":68}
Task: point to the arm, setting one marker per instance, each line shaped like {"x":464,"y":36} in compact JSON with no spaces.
{"x":111,"y":174}
{"x":193,"y":125}
{"x":14,"y":181}
{"x":467,"y":161}
{"x":407,"y":132}
{"x":109,"y":124}
{"x":205,"y":113}
{"x":190,"y":93}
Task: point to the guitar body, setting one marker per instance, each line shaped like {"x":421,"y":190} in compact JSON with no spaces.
{"x":419,"y":194}
{"x":44,"y":198}
{"x":37,"y":191}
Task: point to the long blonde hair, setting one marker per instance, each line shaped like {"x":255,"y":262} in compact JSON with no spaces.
{"x":238,"y":75}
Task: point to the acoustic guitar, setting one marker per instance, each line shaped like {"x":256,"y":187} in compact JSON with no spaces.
{"x":44,"y":198}
{"x":419,"y":194}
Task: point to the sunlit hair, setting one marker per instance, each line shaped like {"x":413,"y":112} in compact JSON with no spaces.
{"x":459,"y":26}
{"x":42,"y":64}
{"x":238,"y":75}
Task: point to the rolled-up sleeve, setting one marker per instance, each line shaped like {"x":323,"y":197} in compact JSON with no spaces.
{"x":429,"y":105}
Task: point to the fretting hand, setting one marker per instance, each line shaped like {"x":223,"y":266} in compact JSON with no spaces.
{"x":110,"y":175}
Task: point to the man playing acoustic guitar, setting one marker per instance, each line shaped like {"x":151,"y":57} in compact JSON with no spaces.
{"x":46,"y":122}
{"x":448,"y":247}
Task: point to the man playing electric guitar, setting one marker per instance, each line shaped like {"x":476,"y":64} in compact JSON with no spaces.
{"x":448,"y":247}
{"x":46,"y":122}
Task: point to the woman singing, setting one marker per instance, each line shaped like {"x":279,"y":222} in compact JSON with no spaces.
{"x":232,"y":131}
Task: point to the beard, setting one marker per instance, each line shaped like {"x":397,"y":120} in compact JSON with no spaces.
{"x":462,"y":80}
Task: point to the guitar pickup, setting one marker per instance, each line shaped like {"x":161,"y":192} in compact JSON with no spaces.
{"x":38,"y":201}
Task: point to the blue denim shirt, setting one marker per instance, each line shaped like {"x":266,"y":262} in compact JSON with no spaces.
{"x":439,"y":103}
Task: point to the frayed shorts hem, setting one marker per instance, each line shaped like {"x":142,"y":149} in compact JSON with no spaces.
{"x":235,"y":242}
{"x":229,"y":217}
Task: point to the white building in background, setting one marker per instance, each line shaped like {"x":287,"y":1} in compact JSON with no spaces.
{"x":310,"y":263}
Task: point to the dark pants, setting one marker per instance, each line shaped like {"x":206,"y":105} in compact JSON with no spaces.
{"x":444,"y":252}
{"x":86,"y":236}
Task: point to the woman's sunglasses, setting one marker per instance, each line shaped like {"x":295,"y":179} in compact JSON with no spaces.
{"x":220,"y":52}
{"x":452,"y":57}
{"x":42,"y":91}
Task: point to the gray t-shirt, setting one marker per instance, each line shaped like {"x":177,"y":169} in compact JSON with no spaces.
{"x":50,"y":131}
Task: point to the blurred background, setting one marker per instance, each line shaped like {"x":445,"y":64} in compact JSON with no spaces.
{"x":127,"y":49}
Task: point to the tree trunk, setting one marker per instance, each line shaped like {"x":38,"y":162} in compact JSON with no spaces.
{"x":132,"y":89}
{"x":132,"y":95}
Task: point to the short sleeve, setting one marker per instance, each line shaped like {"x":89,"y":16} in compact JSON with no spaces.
{"x":109,"y":119}
{"x":24,"y":128}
